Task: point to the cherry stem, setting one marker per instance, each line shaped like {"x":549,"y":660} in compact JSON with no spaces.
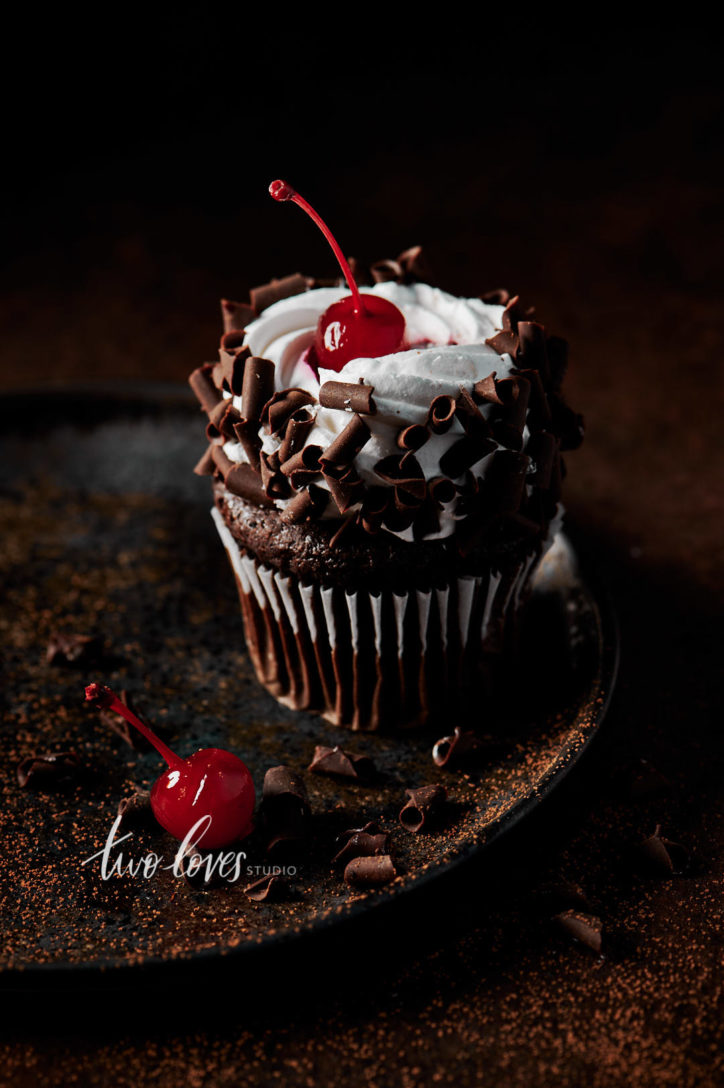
{"x":283,"y":191}
{"x":105,"y":699}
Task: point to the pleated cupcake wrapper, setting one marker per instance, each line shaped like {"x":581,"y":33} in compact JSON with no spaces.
{"x":372,"y":660}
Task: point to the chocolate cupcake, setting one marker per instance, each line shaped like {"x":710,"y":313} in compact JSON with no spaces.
{"x":384,"y":518}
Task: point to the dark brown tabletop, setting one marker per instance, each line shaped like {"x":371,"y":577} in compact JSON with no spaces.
{"x":599,"y":201}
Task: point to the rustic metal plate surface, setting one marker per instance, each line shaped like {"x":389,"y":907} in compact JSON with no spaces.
{"x":106,"y":531}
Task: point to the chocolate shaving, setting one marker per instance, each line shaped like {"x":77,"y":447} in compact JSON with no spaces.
{"x":463,"y":454}
{"x":404,"y":473}
{"x":274,"y":484}
{"x":204,"y":389}
{"x":472,"y":420}
{"x":338,"y":762}
{"x":486,"y":390}
{"x":662,"y":856}
{"x":257,"y":387}
{"x":345,"y":527}
{"x":122,"y":728}
{"x":348,"y":443}
{"x":423,"y":807}
{"x":46,"y":771}
{"x":441,"y":414}
{"x":358,"y":842}
{"x":413,"y":437}
{"x":282,"y":406}
{"x":504,"y":342}
{"x":205,"y":465}
{"x":302,"y":466}
{"x":274,"y":291}
{"x":414,"y":266}
{"x":136,"y":809}
{"x":236,"y":315}
{"x":71,"y":649}
{"x":284,"y":808}
{"x":305,"y":505}
{"x":243,"y":481}
{"x":441,"y":490}
{"x":458,"y":748}
{"x":386,"y":271}
{"x":541,"y":448}
{"x":532,"y":347}
{"x":370,"y":872}
{"x":247,"y":435}
{"x":271,"y":888}
{"x":228,"y":373}
{"x":507,"y":426}
{"x":295,"y":434}
{"x":346,"y":489}
{"x":348,"y":397}
{"x":582,"y":927}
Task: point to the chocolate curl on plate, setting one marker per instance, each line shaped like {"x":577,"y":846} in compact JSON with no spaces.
{"x":257,"y":387}
{"x":136,"y":809}
{"x":118,"y":725}
{"x":541,"y":447}
{"x":246,"y":433}
{"x":282,"y":406}
{"x":370,"y":872}
{"x":274,"y":484}
{"x":345,"y":486}
{"x":582,"y":927}
{"x":298,"y":427}
{"x":567,"y":423}
{"x":423,"y":807}
{"x":266,"y":889}
{"x":485,"y":390}
{"x":205,"y":465}
{"x":305,"y":505}
{"x":464,"y":454}
{"x":661,"y":856}
{"x":507,"y":426}
{"x":413,"y":437}
{"x":348,"y":397}
{"x":203,"y":387}
{"x":358,"y":842}
{"x":504,"y":342}
{"x":47,"y":771}
{"x":472,"y":420}
{"x":338,"y":762}
{"x":236,"y":315}
{"x":347,"y":444}
{"x":284,"y":807}
{"x":302,"y":467}
{"x":532,"y":348}
{"x":71,"y":649}
{"x":504,"y":482}
{"x":458,"y":748}
{"x":276,"y":290}
{"x":441,"y":414}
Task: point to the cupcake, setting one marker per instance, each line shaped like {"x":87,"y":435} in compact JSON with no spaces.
{"x":384,"y":511}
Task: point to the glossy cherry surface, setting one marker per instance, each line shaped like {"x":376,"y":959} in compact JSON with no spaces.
{"x":211,"y":783}
{"x":357,"y":326}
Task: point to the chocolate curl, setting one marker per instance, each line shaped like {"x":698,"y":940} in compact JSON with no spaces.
{"x":274,"y":484}
{"x":276,"y":290}
{"x":266,"y":888}
{"x":404,"y":473}
{"x":236,"y":315}
{"x":71,"y":649}
{"x":472,"y":420}
{"x":539,"y":413}
{"x":247,"y":435}
{"x":423,"y":807}
{"x":413,"y":437}
{"x":504,"y":342}
{"x":136,"y":809}
{"x":244,"y":481}
{"x":661,"y":856}
{"x":458,"y":748}
{"x":345,"y":527}
{"x":567,"y":423}
{"x":374,"y":507}
{"x":347,"y":444}
{"x":370,"y":872}
{"x":338,"y":762}
{"x":302,"y":467}
{"x":508,"y":426}
{"x":532,"y":349}
{"x":386,"y":271}
{"x":441,"y":414}
{"x":485,"y":389}
{"x":362,"y":845}
{"x":499,"y":297}
{"x":282,"y":406}
{"x":284,"y":807}
{"x":295,"y":434}
{"x":345,"y":488}
{"x":441,"y":490}
{"x":414,"y":266}
{"x":513,"y":313}
{"x":305,"y":505}
{"x":228,"y":373}
{"x":586,"y":928}
{"x":463,"y":454}
{"x":504,"y":483}
{"x":222,"y":462}
{"x":222,"y":421}
{"x":205,"y":465}
{"x":122,"y":728}
{"x":203,"y":387}
{"x":541,"y":447}
{"x":348,"y":397}
{"x":232,"y":341}
{"x":257,"y":387}
{"x":47,"y":771}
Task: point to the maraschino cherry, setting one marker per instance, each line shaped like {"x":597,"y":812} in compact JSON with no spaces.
{"x":357,"y":326}
{"x":212,"y":782}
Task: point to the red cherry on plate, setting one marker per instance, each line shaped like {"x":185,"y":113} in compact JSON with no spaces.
{"x":212,"y":786}
{"x":357,"y":326}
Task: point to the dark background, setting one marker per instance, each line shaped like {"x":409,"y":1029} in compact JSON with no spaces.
{"x":578,"y":164}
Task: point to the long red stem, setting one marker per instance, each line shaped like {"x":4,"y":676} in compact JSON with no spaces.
{"x":282,"y":191}
{"x":106,"y":699}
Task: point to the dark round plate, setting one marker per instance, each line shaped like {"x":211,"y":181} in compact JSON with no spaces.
{"x":107,"y":532}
